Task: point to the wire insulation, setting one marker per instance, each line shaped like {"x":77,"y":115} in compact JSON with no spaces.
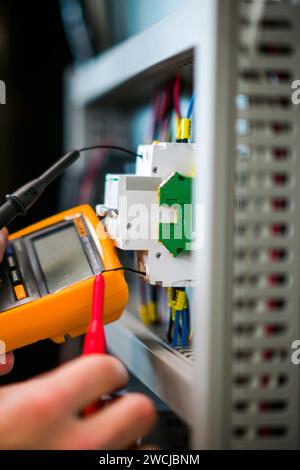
{"x":113,"y":147}
{"x":176,"y":95}
{"x":136,"y":271}
{"x":191,"y":106}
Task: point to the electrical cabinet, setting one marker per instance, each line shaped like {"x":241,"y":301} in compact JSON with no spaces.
{"x":235,"y":386}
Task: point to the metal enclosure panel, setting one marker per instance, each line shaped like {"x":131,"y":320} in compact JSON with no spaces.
{"x":215,"y":123}
{"x":240,"y":344}
{"x":265,"y":300}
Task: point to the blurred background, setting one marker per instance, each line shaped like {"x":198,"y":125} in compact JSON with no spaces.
{"x":39,"y":41}
{"x":33,"y":55}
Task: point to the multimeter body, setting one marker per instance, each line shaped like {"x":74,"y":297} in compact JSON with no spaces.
{"x":47,"y":275}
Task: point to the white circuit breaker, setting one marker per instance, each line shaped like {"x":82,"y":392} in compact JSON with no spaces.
{"x":151,"y":212}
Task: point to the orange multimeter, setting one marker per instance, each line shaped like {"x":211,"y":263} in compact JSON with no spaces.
{"x":47,"y":275}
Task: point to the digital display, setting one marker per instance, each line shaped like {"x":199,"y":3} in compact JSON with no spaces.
{"x":62,"y":258}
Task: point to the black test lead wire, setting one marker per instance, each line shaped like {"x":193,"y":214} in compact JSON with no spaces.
{"x":23,"y":198}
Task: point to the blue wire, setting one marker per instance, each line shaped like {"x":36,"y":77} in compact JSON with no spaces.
{"x":191,"y":106}
{"x":176,"y":329}
{"x":184,"y":328}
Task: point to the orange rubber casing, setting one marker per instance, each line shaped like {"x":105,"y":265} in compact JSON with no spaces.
{"x":66,"y":312}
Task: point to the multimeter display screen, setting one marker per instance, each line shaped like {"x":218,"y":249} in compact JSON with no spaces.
{"x":62,"y":258}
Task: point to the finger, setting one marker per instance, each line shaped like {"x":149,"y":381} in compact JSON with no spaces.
{"x":84,"y":380}
{"x":8,"y":363}
{"x":3,"y":242}
{"x":119,"y":425}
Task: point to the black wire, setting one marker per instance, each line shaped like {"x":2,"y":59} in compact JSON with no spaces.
{"x":121,"y":149}
{"x":142,"y":273}
{"x":113,"y":147}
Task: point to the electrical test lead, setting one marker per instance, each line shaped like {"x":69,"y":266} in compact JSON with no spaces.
{"x":94,"y":340}
{"x":122,"y":268}
{"x":21,"y":200}
{"x":111,"y":147}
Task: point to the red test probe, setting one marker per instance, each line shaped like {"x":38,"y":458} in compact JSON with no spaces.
{"x":94,"y":341}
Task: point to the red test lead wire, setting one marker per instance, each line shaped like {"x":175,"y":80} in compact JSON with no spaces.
{"x":94,"y":341}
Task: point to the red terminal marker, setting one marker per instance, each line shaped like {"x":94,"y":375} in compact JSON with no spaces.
{"x":280,"y":153}
{"x":94,"y":341}
{"x":279,"y":204}
{"x":276,"y":279}
{"x":279,"y":178}
{"x":278,"y":229}
{"x":277,"y":254}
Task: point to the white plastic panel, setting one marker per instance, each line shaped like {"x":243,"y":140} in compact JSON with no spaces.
{"x":164,"y":158}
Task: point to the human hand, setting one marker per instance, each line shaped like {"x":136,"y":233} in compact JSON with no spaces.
{"x":8,"y":360}
{"x":45,"y":412}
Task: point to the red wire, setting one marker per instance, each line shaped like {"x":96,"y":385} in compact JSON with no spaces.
{"x":176,"y":95}
{"x":162,"y":106}
{"x":94,"y":164}
{"x":89,"y":179}
{"x":155,"y":113}
{"x":165,"y":107}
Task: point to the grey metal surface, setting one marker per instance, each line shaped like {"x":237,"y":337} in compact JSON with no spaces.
{"x":166,"y":372}
{"x":265,"y":384}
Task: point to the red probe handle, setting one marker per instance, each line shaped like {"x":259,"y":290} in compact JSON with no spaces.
{"x":94,"y":341}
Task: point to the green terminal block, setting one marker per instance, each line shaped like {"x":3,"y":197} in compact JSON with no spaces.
{"x":176,"y":192}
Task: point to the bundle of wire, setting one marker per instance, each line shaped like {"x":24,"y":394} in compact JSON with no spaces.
{"x":166,"y":102}
{"x":162,"y":112}
{"x":179,"y":317}
{"x":92,"y":175}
